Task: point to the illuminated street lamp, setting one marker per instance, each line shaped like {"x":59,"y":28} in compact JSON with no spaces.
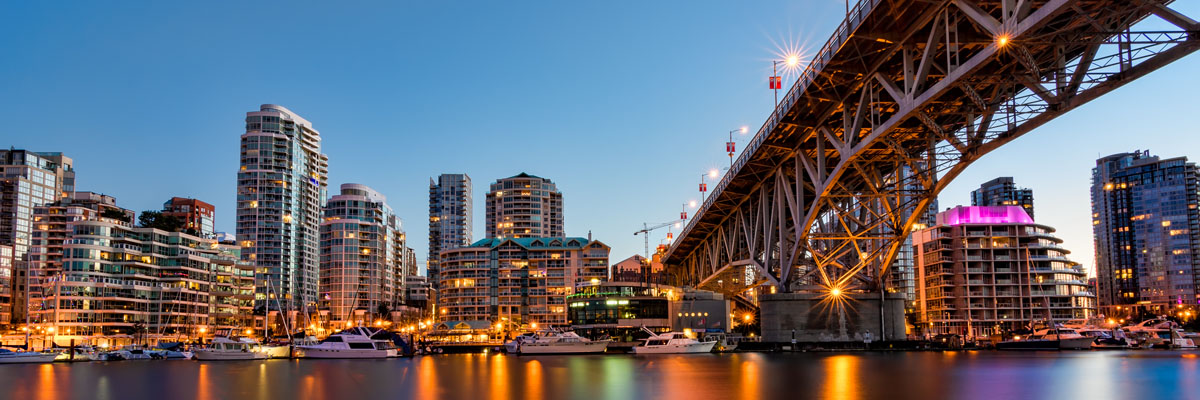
{"x":776,"y":81}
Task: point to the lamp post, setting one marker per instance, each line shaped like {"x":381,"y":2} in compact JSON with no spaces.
{"x":731,"y":147}
{"x":790,"y":62}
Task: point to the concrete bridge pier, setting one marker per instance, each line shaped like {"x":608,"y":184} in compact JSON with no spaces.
{"x":820,"y":318}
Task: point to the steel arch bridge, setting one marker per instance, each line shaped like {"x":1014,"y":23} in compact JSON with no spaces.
{"x":903,"y":97}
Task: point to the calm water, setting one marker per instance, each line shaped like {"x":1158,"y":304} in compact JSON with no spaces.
{"x":929,"y":375}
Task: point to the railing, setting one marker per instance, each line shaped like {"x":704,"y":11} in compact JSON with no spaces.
{"x":861,"y":9}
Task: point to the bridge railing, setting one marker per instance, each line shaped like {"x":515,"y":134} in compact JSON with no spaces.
{"x":861,"y":9}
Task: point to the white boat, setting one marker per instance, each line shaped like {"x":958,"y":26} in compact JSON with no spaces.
{"x":275,"y":350}
{"x":357,"y":342}
{"x":1160,"y":333}
{"x":81,"y":354}
{"x":25,"y":357}
{"x":554,"y":342}
{"x":672,"y":343}
{"x":226,"y":349}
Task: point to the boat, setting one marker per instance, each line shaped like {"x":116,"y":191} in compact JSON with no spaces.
{"x":1103,"y":339}
{"x":555,"y":342}
{"x":224,"y":348}
{"x":25,"y":357}
{"x":1029,"y":342}
{"x":1068,"y":339}
{"x":672,"y":343}
{"x":356,"y":342}
{"x":1160,"y":333}
{"x":79,"y":354}
{"x":275,"y":350}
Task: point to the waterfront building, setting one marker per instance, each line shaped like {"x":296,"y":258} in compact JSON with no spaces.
{"x":1147,"y":232}
{"x":1003,"y":192}
{"x":524,"y":206}
{"x":52,"y":229}
{"x":523,"y":281}
{"x":901,"y":276}
{"x":620,"y":309}
{"x":198,"y":217}
{"x":281,"y":189}
{"x":29,"y":179}
{"x":106,"y":278}
{"x":450,"y":217}
{"x":364,"y":257}
{"x":984,"y":270}
{"x":6,"y":284}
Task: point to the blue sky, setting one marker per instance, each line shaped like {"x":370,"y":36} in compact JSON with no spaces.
{"x":622,"y":104}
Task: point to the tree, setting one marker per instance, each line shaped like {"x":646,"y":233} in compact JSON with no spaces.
{"x":383,"y":310}
{"x":115,"y":214}
{"x":156,"y":219}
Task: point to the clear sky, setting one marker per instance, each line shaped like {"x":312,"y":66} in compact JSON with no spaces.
{"x":623,"y":104}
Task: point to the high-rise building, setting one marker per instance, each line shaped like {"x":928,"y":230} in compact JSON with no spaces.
{"x":524,"y":281}
{"x":6,"y":284}
{"x":450,"y":222}
{"x":29,"y":179}
{"x":197,"y":215}
{"x":901,"y":276}
{"x":524,"y":206}
{"x":281,"y":188}
{"x":364,"y":258}
{"x":1003,"y":192}
{"x":1147,"y":232}
{"x":984,"y":270}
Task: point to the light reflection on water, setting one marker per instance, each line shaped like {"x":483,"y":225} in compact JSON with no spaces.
{"x":932,"y":375}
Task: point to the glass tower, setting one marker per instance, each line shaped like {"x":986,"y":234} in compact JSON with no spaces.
{"x":281,"y":188}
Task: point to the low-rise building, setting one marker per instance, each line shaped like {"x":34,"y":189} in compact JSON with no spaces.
{"x":620,"y":309}
{"x":521,"y":281}
{"x":985,"y":270}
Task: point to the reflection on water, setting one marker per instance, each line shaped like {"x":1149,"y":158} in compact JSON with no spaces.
{"x":841,"y":382}
{"x":1132,"y":374}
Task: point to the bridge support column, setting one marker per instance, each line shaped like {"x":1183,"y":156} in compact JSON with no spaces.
{"x":819,"y":318}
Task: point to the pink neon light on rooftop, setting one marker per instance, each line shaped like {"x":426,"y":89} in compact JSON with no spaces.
{"x":984,"y":215}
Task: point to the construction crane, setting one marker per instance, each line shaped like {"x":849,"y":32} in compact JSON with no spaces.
{"x":646,"y":228}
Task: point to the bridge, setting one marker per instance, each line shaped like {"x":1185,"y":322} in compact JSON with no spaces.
{"x":903,"y":97}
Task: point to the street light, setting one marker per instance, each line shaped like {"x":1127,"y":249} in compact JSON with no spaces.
{"x":791,"y":61}
{"x":731,"y":147}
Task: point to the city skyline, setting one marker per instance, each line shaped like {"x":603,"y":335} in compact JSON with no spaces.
{"x":651,"y":145}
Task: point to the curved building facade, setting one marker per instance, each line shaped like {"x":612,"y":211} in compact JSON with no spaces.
{"x":281,"y":187}
{"x":524,"y":206}
{"x":363,"y":257}
{"x":984,"y":270}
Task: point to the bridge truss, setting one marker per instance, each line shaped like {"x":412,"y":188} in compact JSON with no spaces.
{"x":903,"y":98}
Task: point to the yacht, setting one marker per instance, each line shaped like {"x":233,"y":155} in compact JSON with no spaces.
{"x":25,"y":357}
{"x":79,"y":354}
{"x":1105,"y":339}
{"x":1048,"y":339}
{"x":1160,"y":333}
{"x":672,"y":343}
{"x":357,"y":342}
{"x":225,"y":348}
{"x":554,"y":342}
{"x":275,"y":350}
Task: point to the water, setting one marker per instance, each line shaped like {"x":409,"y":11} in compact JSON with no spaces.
{"x":917,"y":375}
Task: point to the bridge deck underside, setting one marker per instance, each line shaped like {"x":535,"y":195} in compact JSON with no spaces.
{"x":904,"y":97}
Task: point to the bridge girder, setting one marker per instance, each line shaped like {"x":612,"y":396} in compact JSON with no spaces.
{"x":902,"y":99}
